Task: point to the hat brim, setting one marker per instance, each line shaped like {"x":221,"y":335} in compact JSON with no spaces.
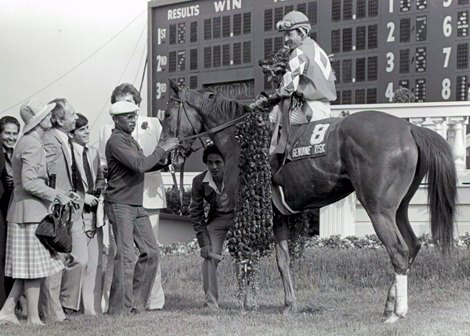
{"x":36,"y":120}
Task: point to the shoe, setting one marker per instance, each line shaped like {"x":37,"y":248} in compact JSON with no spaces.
{"x":135,"y":311}
{"x":69,"y":312}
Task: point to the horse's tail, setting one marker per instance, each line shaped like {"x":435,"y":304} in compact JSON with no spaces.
{"x":437,"y":159}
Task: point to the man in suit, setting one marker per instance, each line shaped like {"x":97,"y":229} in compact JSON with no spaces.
{"x":88,"y":163}
{"x":61,"y":293}
{"x":211,"y":230}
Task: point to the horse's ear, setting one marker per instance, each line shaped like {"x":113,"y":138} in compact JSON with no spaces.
{"x":174,"y":86}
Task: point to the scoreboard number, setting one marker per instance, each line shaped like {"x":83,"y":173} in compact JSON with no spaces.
{"x":391,"y":30}
{"x":389,"y":93}
{"x":161,"y":61}
{"x":446,"y":91}
{"x":446,"y":51}
{"x":390,"y":62}
{"x":447,"y":26}
{"x":447,"y":3}
{"x":161,"y":35}
{"x":161,"y":89}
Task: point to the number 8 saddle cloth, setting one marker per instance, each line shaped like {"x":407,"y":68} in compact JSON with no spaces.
{"x":306,"y":141}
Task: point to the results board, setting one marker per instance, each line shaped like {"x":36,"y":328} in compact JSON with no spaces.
{"x":375,"y":46}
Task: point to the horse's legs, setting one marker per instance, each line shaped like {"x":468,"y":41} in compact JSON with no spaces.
{"x":403,"y":224}
{"x":283,"y":262}
{"x":383,"y":221}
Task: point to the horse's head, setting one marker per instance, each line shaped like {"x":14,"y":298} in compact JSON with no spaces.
{"x":181,"y":121}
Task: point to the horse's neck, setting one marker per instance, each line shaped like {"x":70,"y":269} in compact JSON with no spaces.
{"x":227,"y":144}
{"x":216,"y":111}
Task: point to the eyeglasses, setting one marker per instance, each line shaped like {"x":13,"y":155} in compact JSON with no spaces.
{"x":130,"y":117}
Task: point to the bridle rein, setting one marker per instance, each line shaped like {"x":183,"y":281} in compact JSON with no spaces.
{"x":196,"y":135}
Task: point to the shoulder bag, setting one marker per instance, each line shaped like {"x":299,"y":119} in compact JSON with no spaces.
{"x":54,"y":230}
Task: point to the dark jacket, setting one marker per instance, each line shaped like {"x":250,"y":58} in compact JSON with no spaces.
{"x":3,"y":172}
{"x":5,"y":190}
{"x":201,"y":192}
{"x":126,"y":167}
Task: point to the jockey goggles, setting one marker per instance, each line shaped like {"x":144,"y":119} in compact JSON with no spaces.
{"x":289,"y":25}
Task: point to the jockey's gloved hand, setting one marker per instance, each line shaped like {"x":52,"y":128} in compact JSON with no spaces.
{"x":274,"y":99}
{"x":260,"y":100}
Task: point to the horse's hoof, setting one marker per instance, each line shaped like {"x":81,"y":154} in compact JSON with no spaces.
{"x":387,"y":313}
{"x":249,"y":308}
{"x":393,"y":318}
{"x":8,"y":319}
{"x":289,"y":310}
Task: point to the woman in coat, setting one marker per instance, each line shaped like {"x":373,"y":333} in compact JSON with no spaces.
{"x":27,"y":260}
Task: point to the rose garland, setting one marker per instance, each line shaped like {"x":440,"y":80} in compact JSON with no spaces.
{"x":251,"y":237}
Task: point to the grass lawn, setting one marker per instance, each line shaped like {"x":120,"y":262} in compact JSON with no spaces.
{"x":340,"y":292}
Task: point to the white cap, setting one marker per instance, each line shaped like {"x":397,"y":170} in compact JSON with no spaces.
{"x":123,"y":107}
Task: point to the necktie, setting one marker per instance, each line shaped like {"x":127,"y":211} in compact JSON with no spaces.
{"x":86,"y":167}
{"x":77,"y":184}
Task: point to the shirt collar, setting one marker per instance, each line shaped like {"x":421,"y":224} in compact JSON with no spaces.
{"x":115,"y":130}
{"x":63,"y":136}
{"x":79,"y":148}
{"x":209,"y":179}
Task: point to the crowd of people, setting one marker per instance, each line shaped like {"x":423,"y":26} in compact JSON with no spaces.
{"x":52,"y":162}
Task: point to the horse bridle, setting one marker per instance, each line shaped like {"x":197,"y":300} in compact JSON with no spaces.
{"x":210,"y":131}
{"x":196,"y":135}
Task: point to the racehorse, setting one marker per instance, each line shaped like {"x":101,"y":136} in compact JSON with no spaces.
{"x":381,"y":157}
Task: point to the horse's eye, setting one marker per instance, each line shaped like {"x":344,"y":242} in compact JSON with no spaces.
{"x":167,"y":114}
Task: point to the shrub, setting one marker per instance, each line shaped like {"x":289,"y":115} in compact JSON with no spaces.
{"x":172,"y":203}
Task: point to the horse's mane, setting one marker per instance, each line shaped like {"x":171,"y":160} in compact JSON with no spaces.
{"x":222,"y":106}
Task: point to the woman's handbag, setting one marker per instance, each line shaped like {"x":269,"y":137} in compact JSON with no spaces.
{"x":54,"y":230}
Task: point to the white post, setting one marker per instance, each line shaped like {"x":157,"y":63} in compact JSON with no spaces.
{"x":457,"y":139}
{"x":440,"y":126}
{"x":417,"y":121}
{"x":339,"y":218}
{"x":429,"y":124}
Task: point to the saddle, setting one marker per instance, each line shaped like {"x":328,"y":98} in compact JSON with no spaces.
{"x":304,"y":141}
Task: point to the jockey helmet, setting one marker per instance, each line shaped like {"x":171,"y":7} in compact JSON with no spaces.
{"x":294,"y":20}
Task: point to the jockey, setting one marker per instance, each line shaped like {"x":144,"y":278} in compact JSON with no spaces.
{"x":308,"y":85}
{"x":309,"y":79}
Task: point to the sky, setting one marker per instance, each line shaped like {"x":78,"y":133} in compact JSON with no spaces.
{"x":74,"y":49}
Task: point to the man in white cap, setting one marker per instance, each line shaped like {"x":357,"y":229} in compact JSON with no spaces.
{"x":147,"y":133}
{"x":127,"y":164}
